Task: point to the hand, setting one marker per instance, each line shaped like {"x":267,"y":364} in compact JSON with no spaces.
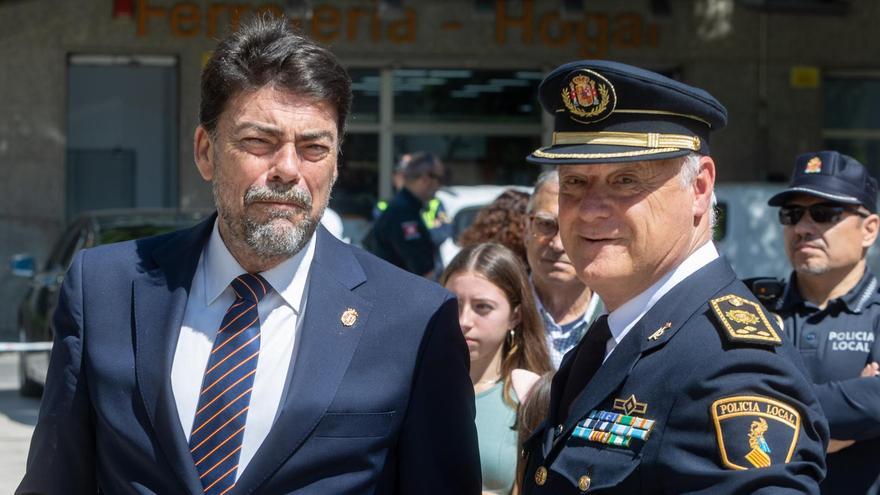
{"x":838,"y":445}
{"x":871,"y":370}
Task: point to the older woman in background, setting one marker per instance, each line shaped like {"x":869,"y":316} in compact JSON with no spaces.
{"x":504,"y":333}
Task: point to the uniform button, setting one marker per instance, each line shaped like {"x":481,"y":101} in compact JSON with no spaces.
{"x":584,"y":483}
{"x":541,"y":476}
{"x":522,"y":453}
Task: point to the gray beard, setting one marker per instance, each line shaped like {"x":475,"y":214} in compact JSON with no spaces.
{"x":266,"y":239}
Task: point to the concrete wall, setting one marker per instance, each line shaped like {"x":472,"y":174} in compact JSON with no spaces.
{"x":745,"y":62}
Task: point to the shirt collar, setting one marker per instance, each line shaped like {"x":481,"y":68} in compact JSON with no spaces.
{"x":591,"y":307}
{"x":855,"y":300}
{"x":623,"y":318}
{"x":288,"y":278}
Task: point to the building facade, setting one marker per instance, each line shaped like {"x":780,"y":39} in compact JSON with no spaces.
{"x":99,"y":98}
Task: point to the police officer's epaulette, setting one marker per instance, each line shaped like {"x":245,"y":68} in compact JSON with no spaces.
{"x":744,"y":320}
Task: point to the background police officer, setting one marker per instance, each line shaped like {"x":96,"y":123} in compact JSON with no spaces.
{"x":685,"y":386}
{"x":400,"y":235}
{"x":831,"y":306}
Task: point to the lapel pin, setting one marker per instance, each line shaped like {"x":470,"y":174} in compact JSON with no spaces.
{"x":349,"y":317}
{"x":660,"y":331}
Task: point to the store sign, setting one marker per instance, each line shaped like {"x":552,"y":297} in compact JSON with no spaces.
{"x":591,"y":32}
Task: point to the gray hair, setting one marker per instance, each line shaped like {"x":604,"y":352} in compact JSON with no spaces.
{"x":690,"y":168}
{"x":546,"y":177}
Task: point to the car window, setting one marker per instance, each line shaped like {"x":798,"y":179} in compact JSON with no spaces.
{"x":127,"y":233}
{"x":70,"y":242}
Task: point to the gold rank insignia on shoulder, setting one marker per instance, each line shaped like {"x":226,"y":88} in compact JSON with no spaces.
{"x":755,"y":432}
{"x":744,"y":320}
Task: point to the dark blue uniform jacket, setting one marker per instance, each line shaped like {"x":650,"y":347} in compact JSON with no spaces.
{"x":401,"y":237}
{"x":685,"y":404}
{"x":836,"y":343}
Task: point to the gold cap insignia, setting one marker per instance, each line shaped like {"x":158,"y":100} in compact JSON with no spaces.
{"x":541,"y":476}
{"x":630,"y":406}
{"x":588,"y":96}
{"x":744,"y":320}
{"x":755,"y":432}
{"x":349,"y":317}
{"x":814,"y":166}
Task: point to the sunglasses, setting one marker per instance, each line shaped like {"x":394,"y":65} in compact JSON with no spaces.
{"x":544,"y":225}
{"x":827,"y":213}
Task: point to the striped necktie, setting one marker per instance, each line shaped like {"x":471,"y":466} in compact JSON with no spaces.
{"x":218,"y":428}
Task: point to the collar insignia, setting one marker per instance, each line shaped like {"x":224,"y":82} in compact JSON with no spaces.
{"x":660,"y":331}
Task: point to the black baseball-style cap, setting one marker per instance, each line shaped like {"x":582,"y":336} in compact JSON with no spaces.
{"x":608,"y":112}
{"x":832,"y":176}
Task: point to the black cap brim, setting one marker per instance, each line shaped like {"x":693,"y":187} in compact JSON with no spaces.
{"x":784,"y":196}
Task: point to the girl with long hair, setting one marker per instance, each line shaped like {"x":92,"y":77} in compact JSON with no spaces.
{"x":504,"y":333}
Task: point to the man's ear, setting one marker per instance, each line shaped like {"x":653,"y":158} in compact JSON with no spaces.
{"x":870,"y":226}
{"x":704,"y":185}
{"x":203,"y":149}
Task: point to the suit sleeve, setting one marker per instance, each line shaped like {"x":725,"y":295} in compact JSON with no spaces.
{"x":437,"y":450}
{"x":695,"y":444}
{"x":62,"y":458}
{"x":852,"y":407}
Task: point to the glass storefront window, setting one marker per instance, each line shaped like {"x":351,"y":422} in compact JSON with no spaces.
{"x":354,"y":194}
{"x":365,"y":85}
{"x":852,"y":103}
{"x":465,"y":95}
{"x":477,"y":159}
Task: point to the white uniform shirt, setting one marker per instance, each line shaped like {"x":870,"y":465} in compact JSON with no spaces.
{"x":280,"y":314}
{"x":622,"y":319}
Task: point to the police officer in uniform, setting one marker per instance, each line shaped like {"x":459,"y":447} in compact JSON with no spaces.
{"x":686,"y":386}
{"x":400,"y":235}
{"x":831,"y":306}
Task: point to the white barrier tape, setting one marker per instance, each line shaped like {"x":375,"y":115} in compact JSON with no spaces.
{"x":25,"y":346}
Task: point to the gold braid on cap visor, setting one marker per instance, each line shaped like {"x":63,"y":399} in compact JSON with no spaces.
{"x":655,"y":142}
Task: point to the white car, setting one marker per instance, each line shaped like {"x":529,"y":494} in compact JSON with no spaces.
{"x":462,"y":203}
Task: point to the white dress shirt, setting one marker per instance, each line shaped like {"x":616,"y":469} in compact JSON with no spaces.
{"x":622,"y":319}
{"x":280,"y":314}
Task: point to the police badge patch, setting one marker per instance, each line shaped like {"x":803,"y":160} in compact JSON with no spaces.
{"x":755,"y":432}
{"x":588,"y":96}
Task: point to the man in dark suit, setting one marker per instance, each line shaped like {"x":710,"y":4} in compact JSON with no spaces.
{"x":255,"y":353}
{"x":685,"y":386}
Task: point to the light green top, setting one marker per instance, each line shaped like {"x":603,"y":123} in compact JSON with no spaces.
{"x":496,"y":434}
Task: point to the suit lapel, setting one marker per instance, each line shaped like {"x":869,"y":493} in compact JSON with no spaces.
{"x":676,"y":307}
{"x":159,"y":300}
{"x":324,"y":347}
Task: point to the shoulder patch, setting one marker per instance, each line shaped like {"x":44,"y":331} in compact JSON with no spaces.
{"x":744,"y":320}
{"x":755,"y":432}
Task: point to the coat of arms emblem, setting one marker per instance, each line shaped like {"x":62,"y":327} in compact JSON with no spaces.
{"x":588,"y":96}
{"x":814,"y":166}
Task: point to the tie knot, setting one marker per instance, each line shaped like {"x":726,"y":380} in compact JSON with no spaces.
{"x":250,"y":287}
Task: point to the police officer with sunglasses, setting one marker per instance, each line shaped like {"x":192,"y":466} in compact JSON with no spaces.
{"x":830,"y":306}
